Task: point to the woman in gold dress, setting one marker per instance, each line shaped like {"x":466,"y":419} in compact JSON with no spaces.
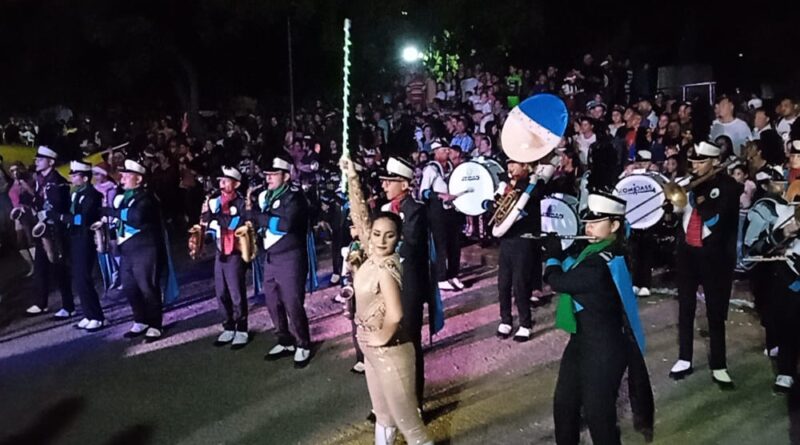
{"x":388,"y":353}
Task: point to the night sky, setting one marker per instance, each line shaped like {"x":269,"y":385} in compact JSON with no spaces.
{"x":143,"y":54}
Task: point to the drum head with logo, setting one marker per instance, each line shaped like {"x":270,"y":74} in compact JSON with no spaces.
{"x":644,"y":197}
{"x":560,"y":217}
{"x":474,"y":182}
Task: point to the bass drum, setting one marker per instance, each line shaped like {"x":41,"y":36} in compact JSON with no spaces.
{"x":644,"y":193}
{"x":474,"y":182}
{"x":561,"y":217}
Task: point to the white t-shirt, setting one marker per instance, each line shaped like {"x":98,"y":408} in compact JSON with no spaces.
{"x":467,"y":85}
{"x":583,"y":146}
{"x":737,"y":130}
{"x":785,"y":126}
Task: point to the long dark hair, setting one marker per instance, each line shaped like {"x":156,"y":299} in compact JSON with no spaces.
{"x":394,"y":218}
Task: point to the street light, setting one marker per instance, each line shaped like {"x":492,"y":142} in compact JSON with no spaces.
{"x":411,"y":54}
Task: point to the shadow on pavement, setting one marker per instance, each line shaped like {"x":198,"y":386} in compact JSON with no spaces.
{"x":50,"y":424}
{"x":133,"y":435}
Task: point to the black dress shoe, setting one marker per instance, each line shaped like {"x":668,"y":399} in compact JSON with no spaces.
{"x":131,"y":334}
{"x":680,"y":374}
{"x":778,"y":389}
{"x":371,"y":417}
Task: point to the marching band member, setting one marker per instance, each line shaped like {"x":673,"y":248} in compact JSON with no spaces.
{"x":283,"y":218}
{"x":22,"y":195}
{"x":442,"y":216}
{"x":84,"y":211}
{"x":518,"y":251}
{"x":109,"y":262}
{"x":643,"y":242}
{"x":223,"y":215}
{"x":414,"y":254}
{"x":598,"y":308}
{"x":140,"y":243}
{"x":780,"y":238}
{"x":706,"y":256}
{"x":51,"y":195}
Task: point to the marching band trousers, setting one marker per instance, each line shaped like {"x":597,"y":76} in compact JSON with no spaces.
{"x":643,"y":247}
{"x":767,"y":294}
{"x":446,"y":231}
{"x":703,"y":266}
{"x":140,"y":277}
{"x":390,"y":380}
{"x":514,"y":277}
{"x":788,"y":334}
{"x":589,"y":378}
{"x":42,"y":269}
{"x":284,"y":289}
{"x":83,"y":257}
{"x":229,"y":276}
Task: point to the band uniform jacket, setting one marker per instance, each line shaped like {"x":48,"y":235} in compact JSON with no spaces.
{"x":719,"y":213}
{"x":218,"y":221}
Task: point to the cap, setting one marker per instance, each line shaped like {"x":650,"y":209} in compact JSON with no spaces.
{"x":703,"y":151}
{"x":46,"y":152}
{"x":231,"y":173}
{"x":132,"y":166}
{"x":644,"y":155}
{"x":604,"y":205}
{"x":279,"y":164}
{"x":397,"y":168}
{"x":79,"y":167}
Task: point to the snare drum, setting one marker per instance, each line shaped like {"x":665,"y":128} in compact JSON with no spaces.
{"x":474,"y":182}
{"x":644,"y":193}
{"x":561,"y":217}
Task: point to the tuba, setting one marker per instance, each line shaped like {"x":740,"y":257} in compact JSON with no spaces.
{"x":246,"y":241}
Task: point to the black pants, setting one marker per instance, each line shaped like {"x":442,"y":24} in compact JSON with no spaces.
{"x":83,"y":258}
{"x":340,"y":237}
{"x":284,"y":290}
{"x":589,"y":378}
{"x":141,"y":277}
{"x":416,"y":290}
{"x":229,"y":274}
{"x":43,"y":270}
{"x":767,"y":293}
{"x":643,"y":249}
{"x":706,"y":267}
{"x":515,"y":278}
{"x":446,"y":233}
{"x":788,"y":332}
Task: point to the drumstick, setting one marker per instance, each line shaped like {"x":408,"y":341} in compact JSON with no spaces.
{"x":458,"y":195}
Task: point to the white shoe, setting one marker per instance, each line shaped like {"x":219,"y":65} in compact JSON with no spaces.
{"x":385,"y":435}
{"x":635,"y":290}
{"x":722,"y":378}
{"x":136,"y":330}
{"x":35,"y":310}
{"x":522,"y":335}
{"x":358,"y":368}
{"x":680,"y":369}
{"x":95,"y":325}
{"x":783,"y":383}
{"x":773,"y":353}
{"x":335,"y":278}
{"x":446,"y":285}
{"x":82,"y":324}
{"x":457,"y":283}
{"x":279,"y":351}
{"x":63,"y":313}
{"x":536,"y":296}
{"x":152,"y":334}
{"x":643,"y":292}
{"x":301,"y":357}
{"x":240,"y":340}
{"x":503,"y":330}
{"x":225,"y":337}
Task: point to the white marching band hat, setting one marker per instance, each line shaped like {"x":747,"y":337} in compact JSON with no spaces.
{"x":397,"y":168}
{"x":231,"y":173}
{"x":704,"y":150}
{"x":79,"y":167}
{"x":644,"y":155}
{"x":132,"y":166}
{"x":279,"y":164}
{"x":534,"y":128}
{"x":795,"y":147}
{"x":604,"y":205}
{"x":435,"y":145}
{"x":46,"y":152}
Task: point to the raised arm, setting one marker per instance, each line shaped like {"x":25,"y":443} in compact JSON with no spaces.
{"x":358,"y":205}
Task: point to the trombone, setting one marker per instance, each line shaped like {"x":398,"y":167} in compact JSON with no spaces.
{"x":565,"y":237}
{"x":677,"y":194}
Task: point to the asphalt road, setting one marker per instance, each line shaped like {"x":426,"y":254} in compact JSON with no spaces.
{"x":59,"y":385}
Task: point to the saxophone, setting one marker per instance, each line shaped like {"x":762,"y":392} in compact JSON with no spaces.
{"x":100,"y":236}
{"x":50,"y":242}
{"x":246,"y":235}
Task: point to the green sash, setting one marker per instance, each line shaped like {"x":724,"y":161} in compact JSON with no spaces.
{"x":565,"y":311}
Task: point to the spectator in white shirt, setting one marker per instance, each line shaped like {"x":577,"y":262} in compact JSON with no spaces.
{"x":728,"y":125}
{"x":761,"y":123}
{"x":469,"y":84}
{"x":585,"y":139}
{"x":646,"y":109}
{"x":788,"y":112}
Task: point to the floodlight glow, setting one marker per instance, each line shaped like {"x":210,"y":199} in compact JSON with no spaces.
{"x":411,"y":54}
